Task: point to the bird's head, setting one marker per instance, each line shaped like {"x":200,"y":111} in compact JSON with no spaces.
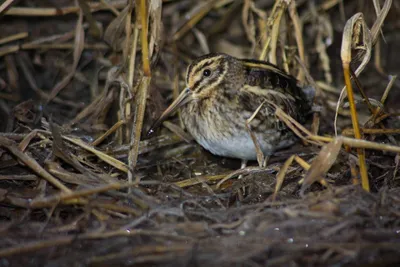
{"x":204,"y":77}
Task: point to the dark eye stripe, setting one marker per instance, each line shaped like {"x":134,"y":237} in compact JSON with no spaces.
{"x":198,"y":68}
{"x":199,"y":83}
{"x":202,"y":66}
{"x":206,"y":64}
{"x":196,"y":84}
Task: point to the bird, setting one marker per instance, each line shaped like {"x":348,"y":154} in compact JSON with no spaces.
{"x":223,"y":92}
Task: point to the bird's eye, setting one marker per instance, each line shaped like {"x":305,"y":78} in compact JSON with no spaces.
{"x":206,"y":72}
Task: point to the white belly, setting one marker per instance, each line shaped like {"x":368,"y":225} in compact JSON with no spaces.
{"x":243,"y":147}
{"x":216,"y":134}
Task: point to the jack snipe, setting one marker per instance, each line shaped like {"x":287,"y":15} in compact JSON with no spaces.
{"x":223,"y":92}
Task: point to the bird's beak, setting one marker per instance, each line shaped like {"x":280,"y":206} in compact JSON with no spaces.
{"x":184,"y":97}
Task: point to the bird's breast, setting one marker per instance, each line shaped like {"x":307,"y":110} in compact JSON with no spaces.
{"x":224,"y":132}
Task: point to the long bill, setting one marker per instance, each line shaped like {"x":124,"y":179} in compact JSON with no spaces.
{"x":184,"y":97}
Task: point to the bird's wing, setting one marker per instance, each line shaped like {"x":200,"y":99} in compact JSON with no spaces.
{"x":266,"y":75}
{"x":253,"y":96}
{"x":261,"y":104}
{"x":270,"y":78}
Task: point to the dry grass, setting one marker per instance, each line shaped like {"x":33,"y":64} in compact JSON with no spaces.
{"x":80,"y":182}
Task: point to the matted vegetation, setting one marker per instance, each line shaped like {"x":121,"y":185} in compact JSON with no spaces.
{"x":81,"y":183}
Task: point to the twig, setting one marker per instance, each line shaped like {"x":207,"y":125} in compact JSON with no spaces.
{"x":50,"y":12}
{"x":6,"y":4}
{"x":32,"y":163}
{"x":13,"y":37}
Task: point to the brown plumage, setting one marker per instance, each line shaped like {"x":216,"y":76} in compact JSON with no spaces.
{"x":223,"y":92}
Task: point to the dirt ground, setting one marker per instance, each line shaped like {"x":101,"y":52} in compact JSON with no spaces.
{"x":81,"y":183}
